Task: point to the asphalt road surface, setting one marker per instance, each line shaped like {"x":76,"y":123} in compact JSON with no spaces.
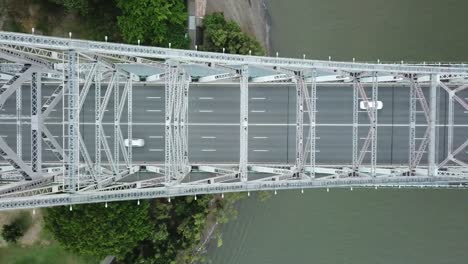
{"x":214,"y":123}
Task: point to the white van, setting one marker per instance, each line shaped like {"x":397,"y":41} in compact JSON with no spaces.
{"x":370,"y":104}
{"x":136,"y":142}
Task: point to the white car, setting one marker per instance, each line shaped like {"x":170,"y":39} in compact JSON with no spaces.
{"x":371,"y":104}
{"x":137,"y":142}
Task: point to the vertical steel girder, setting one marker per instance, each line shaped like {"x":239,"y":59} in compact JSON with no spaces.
{"x":184,"y":122}
{"x":36,"y":122}
{"x":300,"y":97}
{"x":116,"y":136}
{"x":169,"y":85}
{"x":374,"y":124}
{"x":412,"y":127}
{"x":355,"y":165}
{"x":71,"y":112}
{"x":417,"y":95}
{"x":371,"y":139}
{"x":432,"y":155}
{"x":176,"y":107}
{"x":97,"y":124}
{"x":100,"y":115}
{"x":130,"y":121}
{"x":312,"y":119}
{"x":117,"y":121}
{"x":19,"y":128}
{"x":305,"y":102}
{"x":450,"y":123}
{"x":244,"y":122}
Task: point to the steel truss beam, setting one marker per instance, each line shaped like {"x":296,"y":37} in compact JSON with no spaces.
{"x":183,"y":190}
{"x":36,"y":121}
{"x":433,"y":139}
{"x":130,"y":122}
{"x":176,"y":135}
{"x":244,"y":122}
{"x":19,"y":127}
{"x":371,"y":140}
{"x":417,"y":95}
{"x":14,"y":83}
{"x":54,"y":43}
{"x":71,"y":113}
{"x":300,"y":98}
{"x":6,"y":152}
{"x":312,"y":119}
{"x":451,"y":153}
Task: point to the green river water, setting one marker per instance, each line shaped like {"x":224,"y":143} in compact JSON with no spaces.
{"x":365,"y":225}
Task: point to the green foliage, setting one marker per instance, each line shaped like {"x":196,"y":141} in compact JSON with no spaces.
{"x":97,"y":231}
{"x":16,"y":229}
{"x":81,"y":6}
{"x":263,"y":196}
{"x":219,"y":238}
{"x":225,"y":209}
{"x":12,"y":232}
{"x":178,"y":227}
{"x":219,"y":34}
{"x":154,"y":22}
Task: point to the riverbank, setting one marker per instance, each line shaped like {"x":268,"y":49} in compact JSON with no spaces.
{"x":251,"y":15}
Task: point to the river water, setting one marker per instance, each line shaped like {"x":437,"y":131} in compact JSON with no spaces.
{"x":365,"y":225}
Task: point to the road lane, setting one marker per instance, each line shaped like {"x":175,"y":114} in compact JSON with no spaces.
{"x":214,"y":123}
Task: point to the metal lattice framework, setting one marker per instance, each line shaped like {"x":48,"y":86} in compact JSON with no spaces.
{"x":105,"y":170}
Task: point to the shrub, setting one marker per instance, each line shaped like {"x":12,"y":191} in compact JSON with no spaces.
{"x":12,"y":232}
{"x":219,"y":34}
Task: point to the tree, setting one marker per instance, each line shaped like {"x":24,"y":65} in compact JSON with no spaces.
{"x":95,"y":230}
{"x":178,"y":227}
{"x":154,"y":22}
{"x":12,"y":232}
{"x":219,"y":34}
{"x":81,"y":6}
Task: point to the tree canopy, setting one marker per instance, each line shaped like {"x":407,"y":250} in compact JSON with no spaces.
{"x":154,"y":22}
{"x":95,"y":230}
{"x":219,"y":34}
{"x":12,"y":232}
{"x":81,"y":6}
{"x":177,"y":229}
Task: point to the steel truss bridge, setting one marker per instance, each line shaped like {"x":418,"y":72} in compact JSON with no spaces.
{"x":60,"y":167}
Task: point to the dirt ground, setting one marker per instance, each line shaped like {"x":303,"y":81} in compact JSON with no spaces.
{"x":251,"y":15}
{"x":32,"y":234}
